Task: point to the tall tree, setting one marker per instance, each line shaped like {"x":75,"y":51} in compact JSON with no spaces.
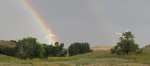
{"x":125,"y":45}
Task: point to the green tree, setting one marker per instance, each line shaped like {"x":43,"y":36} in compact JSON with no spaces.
{"x":58,"y":49}
{"x":40,"y":51}
{"x":125,"y":45}
{"x":78,"y":48}
{"x":29,"y":48}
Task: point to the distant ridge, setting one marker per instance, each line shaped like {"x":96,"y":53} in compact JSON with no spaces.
{"x":102,"y":47}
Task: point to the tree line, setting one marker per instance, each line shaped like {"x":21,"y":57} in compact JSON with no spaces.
{"x":30,"y":48}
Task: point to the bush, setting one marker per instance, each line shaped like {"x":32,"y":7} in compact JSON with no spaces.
{"x":55,"y":51}
{"x":78,"y":48}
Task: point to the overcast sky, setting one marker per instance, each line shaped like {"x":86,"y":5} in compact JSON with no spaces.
{"x":93,"y":21}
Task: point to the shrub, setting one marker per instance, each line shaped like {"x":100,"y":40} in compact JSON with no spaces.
{"x":78,"y":48}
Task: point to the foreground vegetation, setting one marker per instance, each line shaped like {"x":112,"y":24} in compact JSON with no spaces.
{"x":29,"y":52}
{"x":97,"y":58}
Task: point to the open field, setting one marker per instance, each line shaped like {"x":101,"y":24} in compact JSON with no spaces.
{"x":95,"y":58}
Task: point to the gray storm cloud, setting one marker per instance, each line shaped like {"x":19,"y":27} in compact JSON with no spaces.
{"x":94,"y":21}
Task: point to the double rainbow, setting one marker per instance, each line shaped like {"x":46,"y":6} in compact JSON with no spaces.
{"x":39,"y":20}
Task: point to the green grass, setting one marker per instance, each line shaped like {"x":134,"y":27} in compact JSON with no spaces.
{"x":60,"y":59}
{"x":140,"y":58}
{"x":8,"y":59}
{"x":99,"y":58}
{"x":103,"y":57}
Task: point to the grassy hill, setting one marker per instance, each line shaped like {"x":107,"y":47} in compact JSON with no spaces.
{"x":97,"y":58}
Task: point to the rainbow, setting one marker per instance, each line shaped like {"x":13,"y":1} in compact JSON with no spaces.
{"x":40,"y":21}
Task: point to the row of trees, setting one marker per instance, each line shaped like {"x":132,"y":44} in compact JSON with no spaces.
{"x":30,"y":48}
